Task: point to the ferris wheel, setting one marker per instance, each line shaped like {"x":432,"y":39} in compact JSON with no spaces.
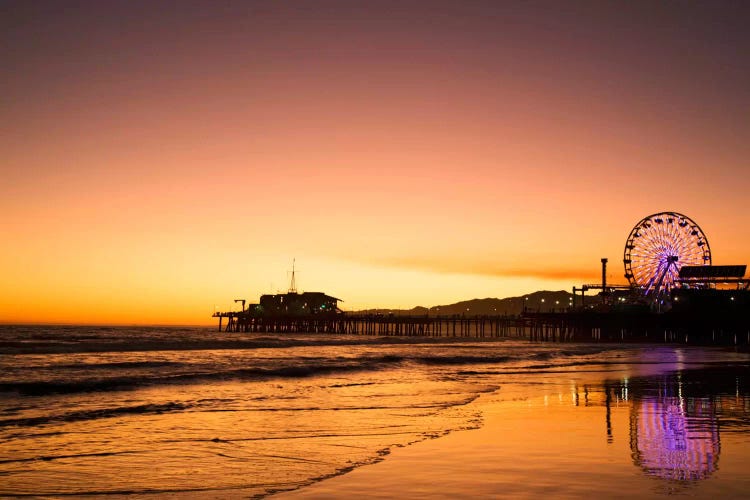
{"x":658,"y":246}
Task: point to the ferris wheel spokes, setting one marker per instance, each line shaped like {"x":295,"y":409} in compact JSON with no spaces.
{"x":671,"y":269}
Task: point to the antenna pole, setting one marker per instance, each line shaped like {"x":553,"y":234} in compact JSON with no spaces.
{"x":293,"y":284}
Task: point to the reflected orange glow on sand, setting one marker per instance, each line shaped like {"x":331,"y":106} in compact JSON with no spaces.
{"x":585,"y":437}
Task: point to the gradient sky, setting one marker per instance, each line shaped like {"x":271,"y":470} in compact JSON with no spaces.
{"x":160,"y":159}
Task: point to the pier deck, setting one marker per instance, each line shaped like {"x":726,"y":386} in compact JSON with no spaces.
{"x":582,"y":326}
{"x":454,"y":326}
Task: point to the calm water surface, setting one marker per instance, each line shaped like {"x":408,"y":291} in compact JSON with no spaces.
{"x":166,"y":411}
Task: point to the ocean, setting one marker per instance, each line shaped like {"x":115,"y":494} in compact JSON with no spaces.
{"x":143,"y":411}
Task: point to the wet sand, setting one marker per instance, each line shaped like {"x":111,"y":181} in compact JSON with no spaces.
{"x":621,"y":434}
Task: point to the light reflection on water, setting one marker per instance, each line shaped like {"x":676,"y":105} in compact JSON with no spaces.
{"x":675,"y":418}
{"x":674,"y":438}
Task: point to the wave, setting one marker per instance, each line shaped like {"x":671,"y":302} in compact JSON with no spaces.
{"x":50,"y":458}
{"x":40,"y":388}
{"x":209,"y":405}
{"x":509,"y":357}
{"x":131,"y":492}
{"x":76,"y":342}
{"x":172,"y":372}
{"x":77,"y":416}
{"x":462,"y":360}
{"x":119,"y":365}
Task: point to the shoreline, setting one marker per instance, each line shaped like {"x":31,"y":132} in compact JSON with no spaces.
{"x":539,"y":437}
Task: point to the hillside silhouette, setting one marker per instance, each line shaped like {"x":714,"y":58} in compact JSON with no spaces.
{"x":544,"y":301}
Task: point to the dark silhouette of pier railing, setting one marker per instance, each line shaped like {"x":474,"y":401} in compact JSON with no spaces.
{"x":375,"y":324}
{"x":579,"y":326}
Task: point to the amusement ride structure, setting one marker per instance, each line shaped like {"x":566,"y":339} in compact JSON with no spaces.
{"x":658,"y":247}
{"x":667,"y":255}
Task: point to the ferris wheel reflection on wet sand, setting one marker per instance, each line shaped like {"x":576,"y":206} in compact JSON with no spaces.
{"x":675,"y":420}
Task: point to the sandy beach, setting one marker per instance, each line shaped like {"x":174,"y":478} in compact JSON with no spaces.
{"x":562,"y":436}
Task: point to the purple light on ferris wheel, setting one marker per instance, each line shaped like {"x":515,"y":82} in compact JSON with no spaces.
{"x":658,"y":246}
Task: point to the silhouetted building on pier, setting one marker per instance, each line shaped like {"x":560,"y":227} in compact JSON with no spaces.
{"x":296,"y":304}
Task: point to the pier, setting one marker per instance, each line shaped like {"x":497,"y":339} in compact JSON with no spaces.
{"x":674,"y":294}
{"x":729,"y":329}
{"x":572,"y":326}
{"x":374,"y":324}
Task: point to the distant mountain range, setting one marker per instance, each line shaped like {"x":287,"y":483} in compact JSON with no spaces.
{"x":544,"y":301}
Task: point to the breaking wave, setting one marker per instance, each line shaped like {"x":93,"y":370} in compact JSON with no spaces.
{"x":79,"y":377}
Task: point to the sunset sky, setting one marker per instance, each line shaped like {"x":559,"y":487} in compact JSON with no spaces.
{"x":160,"y":159}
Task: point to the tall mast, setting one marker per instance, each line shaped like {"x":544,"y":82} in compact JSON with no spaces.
{"x":293,"y":284}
